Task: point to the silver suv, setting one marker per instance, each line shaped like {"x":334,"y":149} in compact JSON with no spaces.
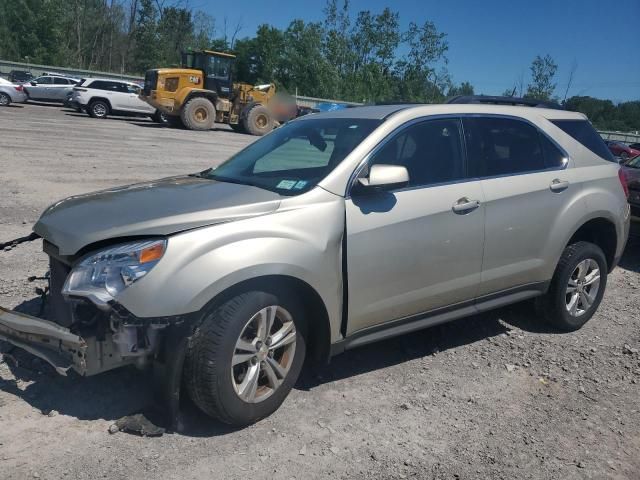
{"x":333,"y":231}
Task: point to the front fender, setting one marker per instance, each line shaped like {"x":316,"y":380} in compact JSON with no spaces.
{"x":303,"y":242}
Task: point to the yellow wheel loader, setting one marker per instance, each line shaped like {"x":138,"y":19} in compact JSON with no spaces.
{"x":203,"y":92}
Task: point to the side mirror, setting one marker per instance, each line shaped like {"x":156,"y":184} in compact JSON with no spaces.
{"x":385,"y":177}
{"x":34,"y":83}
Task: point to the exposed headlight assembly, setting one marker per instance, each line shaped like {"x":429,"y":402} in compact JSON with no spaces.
{"x":105,"y":273}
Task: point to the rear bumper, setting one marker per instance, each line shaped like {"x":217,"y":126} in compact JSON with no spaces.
{"x":46,"y":340}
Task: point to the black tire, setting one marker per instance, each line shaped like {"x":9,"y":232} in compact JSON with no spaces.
{"x":99,"y":109}
{"x":208,"y":368}
{"x":198,"y":114}
{"x":553,"y":305}
{"x":237,"y":127}
{"x":258,"y":120}
{"x":159,"y":117}
{"x":4,"y":99}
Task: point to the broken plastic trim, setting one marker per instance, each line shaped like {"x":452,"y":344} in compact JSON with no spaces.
{"x":49,"y":341}
{"x":17,"y":241}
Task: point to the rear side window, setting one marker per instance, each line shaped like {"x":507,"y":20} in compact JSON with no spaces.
{"x":60,"y":81}
{"x":106,"y":85}
{"x":502,"y":146}
{"x":583,"y":132}
{"x":553,"y":156}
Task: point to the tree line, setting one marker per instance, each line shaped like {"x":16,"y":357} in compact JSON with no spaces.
{"x":360,"y":56}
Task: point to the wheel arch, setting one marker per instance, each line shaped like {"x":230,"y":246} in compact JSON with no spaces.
{"x":208,"y":94}
{"x":318,"y":324}
{"x":103,"y":99}
{"x":600,"y":231}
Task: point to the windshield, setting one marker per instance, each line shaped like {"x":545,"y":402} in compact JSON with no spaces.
{"x":296,"y":156}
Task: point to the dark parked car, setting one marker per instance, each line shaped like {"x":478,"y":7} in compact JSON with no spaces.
{"x":622,"y":150}
{"x":635,"y":146}
{"x":631,"y":169}
{"x":19,"y":76}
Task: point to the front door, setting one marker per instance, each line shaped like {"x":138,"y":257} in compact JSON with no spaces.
{"x":417,"y":248}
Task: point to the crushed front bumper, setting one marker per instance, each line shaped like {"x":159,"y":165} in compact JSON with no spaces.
{"x":46,"y":340}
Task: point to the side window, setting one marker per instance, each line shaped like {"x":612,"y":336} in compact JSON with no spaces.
{"x":502,"y":146}
{"x":132,"y":89}
{"x":431,"y":151}
{"x":44,"y":80}
{"x":98,"y":85}
{"x":583,"y":132}
{"x":553,"y":156}
{"x":60,"y":81}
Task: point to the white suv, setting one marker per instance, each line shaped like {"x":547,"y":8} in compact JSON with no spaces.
{"x":101,"y":97}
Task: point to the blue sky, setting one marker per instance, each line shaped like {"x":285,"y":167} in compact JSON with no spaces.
{"x":492,"y":42}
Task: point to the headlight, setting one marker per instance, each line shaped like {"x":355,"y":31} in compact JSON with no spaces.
{"x":104,"y":274}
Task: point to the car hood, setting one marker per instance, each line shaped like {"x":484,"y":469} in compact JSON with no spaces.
{"x":160,"y":207}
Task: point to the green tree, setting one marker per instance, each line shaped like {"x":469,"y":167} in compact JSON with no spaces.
{"x":465,"y":88}
{"x":543,"y":71}
{"x":145,"y":53}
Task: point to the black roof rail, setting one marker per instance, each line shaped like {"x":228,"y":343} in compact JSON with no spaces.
{"x":496,"y":100}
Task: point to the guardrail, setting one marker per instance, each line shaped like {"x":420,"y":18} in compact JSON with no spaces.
{"x":625,"y":137}
{"x":37,"y":70}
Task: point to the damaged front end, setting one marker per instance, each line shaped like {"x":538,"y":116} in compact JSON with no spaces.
{"x":87,"y":333}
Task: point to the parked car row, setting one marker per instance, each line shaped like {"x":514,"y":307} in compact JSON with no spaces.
{"x":622,"y":150}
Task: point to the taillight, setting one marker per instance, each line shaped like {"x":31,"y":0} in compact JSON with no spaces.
{"x":623,"y":181}
{"x":18,"y":87}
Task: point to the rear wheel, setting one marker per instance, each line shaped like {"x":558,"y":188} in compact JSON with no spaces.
{"x":198,"y":114}
{"x":246,"y":356}
{"x":159,"y":117}
{"x":4,"y":99}
{"x":98,"y":109}
{"x":258,"y":120}
{"x":577,"y":287}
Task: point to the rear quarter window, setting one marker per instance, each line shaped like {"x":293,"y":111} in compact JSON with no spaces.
{"x":582,"y":131}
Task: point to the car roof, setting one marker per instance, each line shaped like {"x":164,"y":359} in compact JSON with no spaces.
{"x":381,"y":112}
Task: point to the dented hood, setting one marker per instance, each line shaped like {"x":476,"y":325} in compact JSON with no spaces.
{"x":160,"y":207}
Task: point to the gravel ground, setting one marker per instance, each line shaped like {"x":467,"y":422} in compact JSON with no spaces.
{"x":492,"y":396}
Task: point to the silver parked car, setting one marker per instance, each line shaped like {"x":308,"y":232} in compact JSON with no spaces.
{"x":336,"y":230}
{"x":11,"y":93}
{"x":50,"y":88}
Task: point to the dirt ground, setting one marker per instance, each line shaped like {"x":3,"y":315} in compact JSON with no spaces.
{"x":493,"y":396}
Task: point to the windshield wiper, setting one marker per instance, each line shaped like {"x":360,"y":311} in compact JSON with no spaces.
{"x":220,"y":178}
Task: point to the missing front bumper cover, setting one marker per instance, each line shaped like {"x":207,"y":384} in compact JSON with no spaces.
{"x":46,"y":340}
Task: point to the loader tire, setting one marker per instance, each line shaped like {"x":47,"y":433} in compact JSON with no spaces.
{"x":258,"y":120}
{"x":198,"y":114}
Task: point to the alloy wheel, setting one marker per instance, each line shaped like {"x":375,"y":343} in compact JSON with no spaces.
{"x":582,"y":287}
{"x":4,"y":99}
{"x":99,"y":110}
{"x":263,"y":354}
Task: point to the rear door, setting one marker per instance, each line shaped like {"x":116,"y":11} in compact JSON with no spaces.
{"x":527,"y":186}
{"x":60,"y":88}
{"x":418,"y":248}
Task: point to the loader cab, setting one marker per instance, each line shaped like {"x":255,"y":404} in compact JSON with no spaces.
{"x":216,"y":67}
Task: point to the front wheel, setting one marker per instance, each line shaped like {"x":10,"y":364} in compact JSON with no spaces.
{"x":198,"y":114}
{"x":258,"y":121}
{"x":246,"y":356}
{"x":577,"y":287}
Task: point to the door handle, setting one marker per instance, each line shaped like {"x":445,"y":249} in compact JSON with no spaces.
{"x":464,"y":206}
{"x":558,"y":185}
